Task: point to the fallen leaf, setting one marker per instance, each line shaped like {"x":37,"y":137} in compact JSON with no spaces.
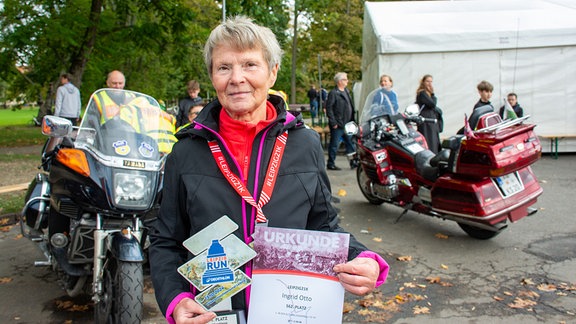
{"x":365,"y":312}
{"x":528,"y":293}
{"x":409,"y":285}
{"x":4,"y":221}
{"x":441,"y":236}
{"x":421,"y":310}
{"x":5,"y":229}
{"x":507,"y":293}
{"x":433,"y":279}
{"x":342,"y":193}
{"x":527,"y":281}
{"x":419,"y":297}
{"x":498,"y":298}
{"x":377,"y":239}
{"x":400,"y":299}
{"x":522,"y":303}
{"x":421,"y":286}
{"x":17,"y":237}
{"x":404,"y":258}
{"x":347,"y":308}
{"x":443,"y":266}
{"x":546,"y":287}
{"x":4,"y":280}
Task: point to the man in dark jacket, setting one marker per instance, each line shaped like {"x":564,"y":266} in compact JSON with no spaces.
{"x":339,"y":110}
{"x":513,"y":101}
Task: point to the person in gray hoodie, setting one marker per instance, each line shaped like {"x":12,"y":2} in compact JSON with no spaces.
{"x":67,"y":100}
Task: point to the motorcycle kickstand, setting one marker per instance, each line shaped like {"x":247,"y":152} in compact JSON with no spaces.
{"x":402,"y":214}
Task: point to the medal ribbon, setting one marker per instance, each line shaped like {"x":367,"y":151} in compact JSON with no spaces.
{"x":269,"y":181}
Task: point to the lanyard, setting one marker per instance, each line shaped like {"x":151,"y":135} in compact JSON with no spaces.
{"x":269,"y":181}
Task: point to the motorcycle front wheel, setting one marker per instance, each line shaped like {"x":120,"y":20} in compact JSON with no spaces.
{"x":122,"y":295}
{"x":364,"y":184}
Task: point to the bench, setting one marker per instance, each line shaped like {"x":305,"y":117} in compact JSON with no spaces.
{"x":298,"y":107}
{"x":554,"y":143}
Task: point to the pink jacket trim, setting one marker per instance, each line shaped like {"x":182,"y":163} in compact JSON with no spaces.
{"x":173,"y":304}
{"x":384,"y":267}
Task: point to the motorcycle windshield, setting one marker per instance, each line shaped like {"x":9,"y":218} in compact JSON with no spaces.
{"x":126,"y":124}
{"x":377,"y":104}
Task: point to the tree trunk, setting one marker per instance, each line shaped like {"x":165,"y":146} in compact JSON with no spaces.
{"x":294,"y":52}
{"x":80,"y":58}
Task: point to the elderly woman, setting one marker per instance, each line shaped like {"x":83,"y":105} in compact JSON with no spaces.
{"x":240,"y":130}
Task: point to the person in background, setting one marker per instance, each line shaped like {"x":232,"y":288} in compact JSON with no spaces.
{"x":386,"y":97}
{"x":193,"y":89}
{"x":116,"y":80}
{"x":224,"y":157}
{"x":513,"y":101}
{"x":339,"y":110}
{"x":313,"y":98}
{"x":426,"y":100}
{"x":68,"y":103}
{"x":192,"y":113}
{"x":109,"y":102}
{"x":485,"y":89}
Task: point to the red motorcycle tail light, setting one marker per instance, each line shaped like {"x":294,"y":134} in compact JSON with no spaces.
{"x":75,"y":160}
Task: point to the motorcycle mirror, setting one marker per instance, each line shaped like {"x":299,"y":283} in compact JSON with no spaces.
{"x":412,"y":110}
{"x":351,"y":128}
{"x":56,"y":126}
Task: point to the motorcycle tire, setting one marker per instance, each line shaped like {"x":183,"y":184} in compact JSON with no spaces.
{"x":477,"y":233}
{"x":122,"y":296}
{"x":363,"y":183}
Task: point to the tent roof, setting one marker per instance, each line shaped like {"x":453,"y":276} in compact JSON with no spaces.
{"x":440,"y":26}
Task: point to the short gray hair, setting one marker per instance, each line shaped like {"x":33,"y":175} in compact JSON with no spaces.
{"x":241,"y":33}
{"x":339,"y":76}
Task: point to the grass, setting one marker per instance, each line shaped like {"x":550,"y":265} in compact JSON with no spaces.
{"x":17,"y":117}
{"x":16,"y":130}
{"x":15,"y":136}
{"x":12,"y":202}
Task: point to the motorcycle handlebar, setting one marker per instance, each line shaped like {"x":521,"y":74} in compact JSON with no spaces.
{"x":420,"y":119}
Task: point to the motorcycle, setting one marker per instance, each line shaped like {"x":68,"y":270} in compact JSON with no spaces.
{"x":480,"y":179}
{"x":87,"y":209}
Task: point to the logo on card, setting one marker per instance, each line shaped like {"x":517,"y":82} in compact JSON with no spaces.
{"x":217,"y":268}
{"x":121,"y":147}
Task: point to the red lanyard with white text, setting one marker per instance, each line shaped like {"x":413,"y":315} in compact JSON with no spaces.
{"x":269,"y":182}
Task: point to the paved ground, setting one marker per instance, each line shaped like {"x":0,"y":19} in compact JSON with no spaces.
{"x":438,"y":274}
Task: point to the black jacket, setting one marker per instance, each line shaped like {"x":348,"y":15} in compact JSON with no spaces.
{"x":196,"y":193}
{"x":430,"y":131}
{"x":337,"y":108}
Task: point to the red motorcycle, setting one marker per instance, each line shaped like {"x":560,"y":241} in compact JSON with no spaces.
{"x":481,"y":179}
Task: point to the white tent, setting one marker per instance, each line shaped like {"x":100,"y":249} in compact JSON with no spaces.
{"x":522,"y":46}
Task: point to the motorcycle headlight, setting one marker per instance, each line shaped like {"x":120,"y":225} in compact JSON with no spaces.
{"x":132,"y":190}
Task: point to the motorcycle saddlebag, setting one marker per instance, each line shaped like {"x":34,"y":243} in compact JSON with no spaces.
{"x":499,"y":153}
{"x":37,"y":200}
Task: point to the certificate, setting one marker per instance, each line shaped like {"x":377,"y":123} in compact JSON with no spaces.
{"x":292,"y":278}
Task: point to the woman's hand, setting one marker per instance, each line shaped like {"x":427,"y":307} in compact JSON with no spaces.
{"x":359,"y":275}
{"x":189,"y":311}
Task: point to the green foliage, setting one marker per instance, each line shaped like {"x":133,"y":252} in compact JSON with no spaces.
{"x":158,"y":44}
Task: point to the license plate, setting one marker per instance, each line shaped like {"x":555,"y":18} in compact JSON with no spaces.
{"x":509,"y":184}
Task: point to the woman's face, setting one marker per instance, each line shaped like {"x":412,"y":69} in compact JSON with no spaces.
{"x":241,"y":80}
{"x":386,"y":83}
{"x":428,"y":85}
